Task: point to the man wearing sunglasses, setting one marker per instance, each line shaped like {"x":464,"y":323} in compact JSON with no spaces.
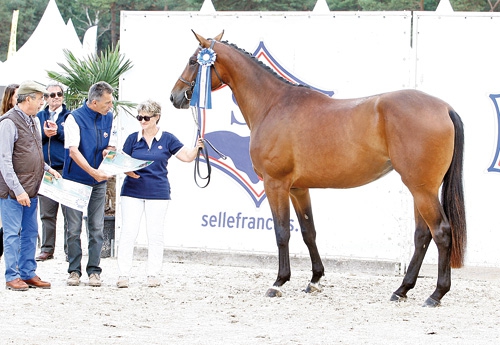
{"x":52,"y":127}
{"x":88,"y":138}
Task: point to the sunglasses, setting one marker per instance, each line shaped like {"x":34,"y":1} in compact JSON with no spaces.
{"x":145,"y":118}
{"x":53,"y":95}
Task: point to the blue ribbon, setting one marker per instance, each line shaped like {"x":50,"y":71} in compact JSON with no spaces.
{"x":202,"y":92}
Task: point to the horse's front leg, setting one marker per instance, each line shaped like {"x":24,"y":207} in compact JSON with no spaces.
{"x":278,"y":198}
{"x":301,"y":201}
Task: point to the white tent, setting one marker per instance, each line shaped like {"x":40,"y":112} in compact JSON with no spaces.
{"x":321,"y":7}
{"x":43,"y":50}
{"x":444,"y":6}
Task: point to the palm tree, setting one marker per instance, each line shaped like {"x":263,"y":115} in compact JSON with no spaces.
{"x":80,"y":74}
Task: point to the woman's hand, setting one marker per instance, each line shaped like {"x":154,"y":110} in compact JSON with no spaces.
{"x":200,"y":143}
{"x":132,"y":174}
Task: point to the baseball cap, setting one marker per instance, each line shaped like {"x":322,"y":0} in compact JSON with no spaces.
{"x":30,"y":86}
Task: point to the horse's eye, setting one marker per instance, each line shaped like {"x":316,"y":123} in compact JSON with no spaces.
{"x":192,"y":62}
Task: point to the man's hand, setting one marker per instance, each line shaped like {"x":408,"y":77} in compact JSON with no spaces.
{"x":106,"y":151}
{"x":50,"y":128}
{"x":24,"y":199}
{"x":100,"y":176}
{"x":54,"y":173}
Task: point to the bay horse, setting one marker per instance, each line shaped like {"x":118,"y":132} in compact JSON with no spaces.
{"x":301,"y":139}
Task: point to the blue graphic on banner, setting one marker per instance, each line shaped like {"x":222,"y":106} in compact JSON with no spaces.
{"x":232,"y":138}
{"x":495,"y":165}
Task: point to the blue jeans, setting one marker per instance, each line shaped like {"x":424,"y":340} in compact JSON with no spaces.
{"x":95,"y":226}
{"x":20,"y":233}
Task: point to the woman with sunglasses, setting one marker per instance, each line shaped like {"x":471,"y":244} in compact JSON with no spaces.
{"x":147,"y":191}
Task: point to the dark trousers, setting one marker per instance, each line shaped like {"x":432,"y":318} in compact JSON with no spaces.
{"x":95,"y":226}
{"x":48,"y":216}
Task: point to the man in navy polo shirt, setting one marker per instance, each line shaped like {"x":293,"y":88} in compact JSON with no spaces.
{"x":87,"y":140}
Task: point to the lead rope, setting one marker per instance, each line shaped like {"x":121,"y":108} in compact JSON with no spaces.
{"x":204,"y":151}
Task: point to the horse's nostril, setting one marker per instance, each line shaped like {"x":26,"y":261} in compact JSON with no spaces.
{"x":171,"y":98}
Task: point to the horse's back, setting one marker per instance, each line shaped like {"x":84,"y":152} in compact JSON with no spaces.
{"x":342,"y":143}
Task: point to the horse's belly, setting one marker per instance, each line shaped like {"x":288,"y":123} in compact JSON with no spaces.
{"x":342,"y":177}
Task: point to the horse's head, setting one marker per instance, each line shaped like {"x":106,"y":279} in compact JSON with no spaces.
{"x":183,"y":88}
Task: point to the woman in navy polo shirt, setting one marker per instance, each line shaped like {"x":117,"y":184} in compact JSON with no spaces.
{"x":147,"y":191}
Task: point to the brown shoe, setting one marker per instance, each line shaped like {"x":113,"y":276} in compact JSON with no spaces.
{"x":36,"y":282}
{"x":44,"y":256}
{"x":16,"y":285}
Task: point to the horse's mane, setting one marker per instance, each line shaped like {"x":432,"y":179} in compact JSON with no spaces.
{"x":261,"y":64}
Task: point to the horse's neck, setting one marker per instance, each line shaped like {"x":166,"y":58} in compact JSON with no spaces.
{"x":251,"y":86}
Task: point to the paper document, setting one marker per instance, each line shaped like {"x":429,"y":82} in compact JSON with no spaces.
{"x":66,"y":192}
{"x":119,"y":162}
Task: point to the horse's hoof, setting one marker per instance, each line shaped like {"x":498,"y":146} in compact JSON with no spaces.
{"x":313,"y":287}
{"x":274,"y":291}
{"x":397,"y":298}
{"x":431,"y":303}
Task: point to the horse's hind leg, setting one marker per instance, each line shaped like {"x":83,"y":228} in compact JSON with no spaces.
{"x":301,"y":201}
{"x":432,"y":212}
{"x":422,"y":238}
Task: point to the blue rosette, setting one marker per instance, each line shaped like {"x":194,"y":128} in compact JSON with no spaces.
{"x":202,"y":93}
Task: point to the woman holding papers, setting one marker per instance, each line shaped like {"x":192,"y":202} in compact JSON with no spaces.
{"x":147,"y":191}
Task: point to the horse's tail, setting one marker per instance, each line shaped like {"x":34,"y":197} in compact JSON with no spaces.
{"x":452,"y":196}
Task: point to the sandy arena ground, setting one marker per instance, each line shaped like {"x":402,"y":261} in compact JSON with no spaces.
{"x":206,"y":303}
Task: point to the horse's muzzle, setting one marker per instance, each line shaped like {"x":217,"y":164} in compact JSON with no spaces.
{"x":179,"y":100}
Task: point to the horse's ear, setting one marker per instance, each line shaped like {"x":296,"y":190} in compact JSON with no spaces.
{"x":219,"y":36}
{"x":203,"y":41}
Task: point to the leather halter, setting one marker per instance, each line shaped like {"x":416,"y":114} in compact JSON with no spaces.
{"x":192,"y":83}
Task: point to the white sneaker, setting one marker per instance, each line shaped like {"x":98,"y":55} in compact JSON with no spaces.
{"x":122,"y":282}
{"x":73,"y":280}
{"x":153,"y":281}
{"x":95,"y":280}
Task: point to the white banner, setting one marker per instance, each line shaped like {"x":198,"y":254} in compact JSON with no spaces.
{"x":344,"y":54}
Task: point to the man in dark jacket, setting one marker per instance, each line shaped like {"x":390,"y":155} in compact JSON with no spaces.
{"x":52,"y":124}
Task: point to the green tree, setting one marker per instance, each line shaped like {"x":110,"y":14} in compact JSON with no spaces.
{"x":105,"y":13}
{"x":30,"y":12}
{"x":263,"y":5}
{"x":344,"y":5}
{"x":470,"y":5}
